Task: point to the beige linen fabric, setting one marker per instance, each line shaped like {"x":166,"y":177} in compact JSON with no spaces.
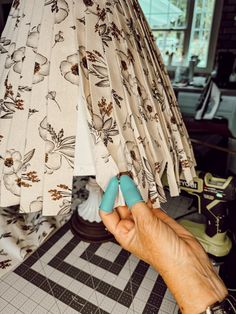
{"x":102,"y":53}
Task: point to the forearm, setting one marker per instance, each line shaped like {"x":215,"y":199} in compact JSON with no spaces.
{"x":194,"y":290}
{"x":157,"y":239}
{"x":185,"y":266}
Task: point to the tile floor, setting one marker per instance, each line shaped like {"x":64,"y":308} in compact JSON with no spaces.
{"x":67,"y":275}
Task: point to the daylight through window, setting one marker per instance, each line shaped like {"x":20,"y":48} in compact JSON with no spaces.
{"x":182,"y":28}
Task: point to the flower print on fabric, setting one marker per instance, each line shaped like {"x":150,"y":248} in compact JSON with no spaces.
{"x":145,"y":106}
{"x":154,"y":190}
{"x":41,"y":68}
{"x":33,"y":37}
{"x":126,"y":63}
{"x":15,"y":58}
{"x":83,"y":61}
{"x":11,"y":102}
{"x":52,"y":96}
{"x":158,"y":94}
{"x":98,"y":68}
{"x":70,"y":69}
{"x":129,"y":122}
{"x":36,"y":205}
{"x":88,"y":3}
{"x":107,"y":31}
{"x":4,"y":45}
{"x":58,"y":147}
{"x":16,"y":4}
{"x":103,"y":125}
{"x":60,"y":8}
{"x":117,"y":98}
{"x":62,"y":193}
{"x":13,"y":162}
{"x":15,"y":172}
{"x":59,"y":38}
{"x":135,"y":156}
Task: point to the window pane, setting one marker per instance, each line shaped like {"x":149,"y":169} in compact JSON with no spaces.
{"x":145,"y":4}
{"x":168,"y":19}
{"x":201,"y":30}
{"x":165,"y":14}
{"x":170,"y":44}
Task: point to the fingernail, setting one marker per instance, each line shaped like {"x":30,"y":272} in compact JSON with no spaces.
{"x":130,"y":191}
{"x":109,"y":196}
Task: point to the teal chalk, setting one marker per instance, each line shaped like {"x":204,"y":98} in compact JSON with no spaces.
{"x":109,"y":196}
{"x":130,"y":191}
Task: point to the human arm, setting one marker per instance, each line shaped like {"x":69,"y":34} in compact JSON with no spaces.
{"x":160,"y":241}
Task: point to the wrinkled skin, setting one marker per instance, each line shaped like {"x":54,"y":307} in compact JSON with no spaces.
{"x":160,"y":241}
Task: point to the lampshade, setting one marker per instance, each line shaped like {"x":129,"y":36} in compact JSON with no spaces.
{"x":84,"y":91}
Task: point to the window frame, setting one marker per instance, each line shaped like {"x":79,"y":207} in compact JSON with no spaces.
{"x":217,"y":12}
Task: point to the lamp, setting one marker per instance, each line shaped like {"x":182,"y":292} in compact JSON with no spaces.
{"x":83,"y":91}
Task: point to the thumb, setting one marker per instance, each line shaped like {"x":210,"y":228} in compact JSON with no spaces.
{"x":133,"y":197}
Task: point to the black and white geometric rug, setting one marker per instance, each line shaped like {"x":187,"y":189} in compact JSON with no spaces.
{"x":66,"y":275}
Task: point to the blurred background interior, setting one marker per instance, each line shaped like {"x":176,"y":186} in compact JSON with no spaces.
{"x":197,"y":40}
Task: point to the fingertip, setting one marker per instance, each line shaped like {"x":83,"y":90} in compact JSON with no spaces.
{"x":125,"y":178}
{"x":109,"y":196}
{"x":130,"y":191}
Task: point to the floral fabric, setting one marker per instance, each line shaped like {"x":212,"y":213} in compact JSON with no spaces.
{"x":58,"y":55}
{"x":21,"y":234}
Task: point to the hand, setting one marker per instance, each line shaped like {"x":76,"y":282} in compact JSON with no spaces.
{"x":160,"y":241}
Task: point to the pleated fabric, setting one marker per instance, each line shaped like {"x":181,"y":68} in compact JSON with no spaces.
{"x":63,"y":57}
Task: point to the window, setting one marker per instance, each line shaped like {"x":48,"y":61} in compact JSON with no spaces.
{"x":182,"y":29}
